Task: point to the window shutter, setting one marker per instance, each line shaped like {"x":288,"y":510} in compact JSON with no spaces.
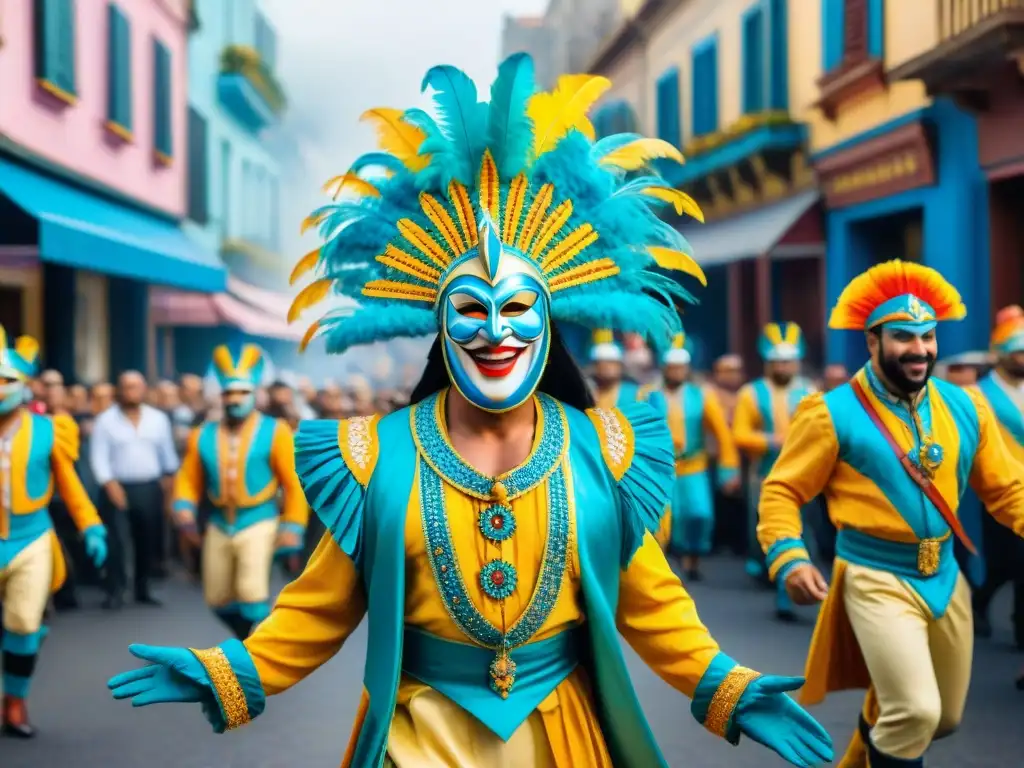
{"x":712,"y":87}
{"x":668,"y":107}
{"x":832,"y":14}
{"x":64,"y":75}
{"x":876,"y":28}
{"x":778,"y":46}
{"x":753,"y":61}
{"x":119,"y":76}
{"x":855,"y":29}
{"x":697,"y":93}
{"x":162,"y":138}
{"x":198,"y":169}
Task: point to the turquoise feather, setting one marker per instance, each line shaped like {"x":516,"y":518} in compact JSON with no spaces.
{"x":607,"y":145}
{"x":509,"y":129}
{"x":378,"y":160}
{"x":462,"y":120}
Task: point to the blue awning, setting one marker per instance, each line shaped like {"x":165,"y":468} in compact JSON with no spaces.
{"x":82,"y":230}
{"x":747,"y":235}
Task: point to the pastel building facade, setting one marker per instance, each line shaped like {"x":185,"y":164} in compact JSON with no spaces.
{"x":93,"y":178}
{"x":898,"y":168}
{"x":233,"y":190}
{"x":720,"y":80}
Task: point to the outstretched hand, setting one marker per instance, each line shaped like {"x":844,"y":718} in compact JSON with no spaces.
{"x":169,"y":677}
{"x":770,"y":717}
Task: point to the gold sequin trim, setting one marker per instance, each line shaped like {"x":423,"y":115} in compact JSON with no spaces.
{"x":616,"y":439}
{"x":356,"y":438}
{"x":723,"y":703}
{"x":225,"y":682}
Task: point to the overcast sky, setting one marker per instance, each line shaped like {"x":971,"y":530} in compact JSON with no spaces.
{"x":338,"y":58}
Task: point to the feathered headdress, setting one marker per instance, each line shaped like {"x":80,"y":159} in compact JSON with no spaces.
{"x":681,"y":351}
{"x":1008,"y":333}
{"x":780,"y":342}
{"x":527,"y":162}
{"x":239,"y":367}
{"x":897,"y":294}
{"x":20,"y":362}
{"x":604,"y":347}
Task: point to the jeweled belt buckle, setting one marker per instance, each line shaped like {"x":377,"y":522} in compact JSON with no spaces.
{"x":928,"y":556}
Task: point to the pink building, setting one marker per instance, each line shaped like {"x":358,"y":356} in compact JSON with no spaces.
{"x":93,"y":168}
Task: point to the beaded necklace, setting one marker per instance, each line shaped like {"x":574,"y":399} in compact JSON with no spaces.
{"x":496,"y":522}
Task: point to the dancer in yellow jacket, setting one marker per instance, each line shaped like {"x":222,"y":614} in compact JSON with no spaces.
{"x":893,"y":451}
{"x":497,"y":533}
{"x":760,"y":423}
{"x":241,"y":464}
{"x":692,"y":411}
{"x":37,"y":456}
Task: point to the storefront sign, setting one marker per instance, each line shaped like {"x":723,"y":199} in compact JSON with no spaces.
{"x":880,"y":167}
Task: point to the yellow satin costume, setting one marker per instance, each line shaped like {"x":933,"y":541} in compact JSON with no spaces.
{"x":315,"y":614}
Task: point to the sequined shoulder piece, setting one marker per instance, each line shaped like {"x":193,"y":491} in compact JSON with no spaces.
{"x":357,"y":440}
{"x":617,"y":439}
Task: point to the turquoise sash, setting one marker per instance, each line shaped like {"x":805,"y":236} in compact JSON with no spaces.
{"x":459,"y":671}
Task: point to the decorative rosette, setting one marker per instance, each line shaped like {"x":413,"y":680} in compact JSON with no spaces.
{"x":498,"y":579}
{"x":497,"y":522}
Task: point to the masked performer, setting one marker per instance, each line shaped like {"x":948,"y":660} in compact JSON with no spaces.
{"x":611,"y":388}
{"x":692,"y":411}
{"x":241,"y":464}
{"x":893,"y":450}
{"x":496,"y":587}
{"x":37,"y":456}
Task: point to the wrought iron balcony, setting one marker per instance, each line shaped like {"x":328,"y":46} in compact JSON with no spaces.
{"x":248,"y":88}
{"x":974,"y":37}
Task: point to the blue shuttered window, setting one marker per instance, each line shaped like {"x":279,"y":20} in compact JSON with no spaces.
{"x":614,"y":117}
{"x":852,"y":30}
{"x":778,"y":45}
{"x":705,"y":86}
{"x":669,"y":113}
{"x":602,"y":121}
{"x":162,"y":113}
{"x":54,"y":22}
{"x":119,"y":72}
{"x":198,"y":168}
{"x":753,"y":60}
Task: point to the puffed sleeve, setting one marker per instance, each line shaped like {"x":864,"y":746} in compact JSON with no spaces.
{"x":996,"y":476}
{"x":800,"y":473}
{"x":637,"y":447}
{"x":294,"y":510}
{"x":747,"y":429}
{"x":189,"y":482}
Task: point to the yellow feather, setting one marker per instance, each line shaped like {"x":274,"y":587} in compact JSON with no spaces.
{"x":669,"y":258}
{"x":352,"y":182}
{"x":638,"y":153}
{"x":773,"y":333}
{"x":249,"y":357}
{"x":3,"y":340}
{"x":27,"y":347}
{"x":313,"y":220}
{"x":396,"y":136}
{"x":792,"y":334}
{"x":309,"y":335}
{"x":223,"y":361}
{"x":681,"y":201}
{"x":312,"y":294}
{"x":305,"y":264}
{"x":555,"y":114}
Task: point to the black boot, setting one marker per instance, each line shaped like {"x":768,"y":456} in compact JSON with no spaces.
{"x":240,"y":625}
{"x":878,"y":759}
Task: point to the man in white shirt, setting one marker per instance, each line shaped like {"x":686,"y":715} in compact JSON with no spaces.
{"x":133,"y":459}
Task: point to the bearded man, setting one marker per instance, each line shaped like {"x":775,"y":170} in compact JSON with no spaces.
{"x":497,"y":533}
{"x":893,"y":451}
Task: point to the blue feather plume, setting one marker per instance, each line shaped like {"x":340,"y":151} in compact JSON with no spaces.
{"x":509,"y":130}
{"x":463,"y":123}
{"x":378,"y":160}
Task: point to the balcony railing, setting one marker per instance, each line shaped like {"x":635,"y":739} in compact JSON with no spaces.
{"x":959,"y":16}
{"x":248,"y":87}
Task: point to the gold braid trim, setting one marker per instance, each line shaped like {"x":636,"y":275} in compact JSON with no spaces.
{"x":726,"y":697}
{"x":225,"y":683}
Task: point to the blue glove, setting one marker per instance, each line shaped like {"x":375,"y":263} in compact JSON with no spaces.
{"x":174,"y":675}
{"x":96,"y":544}
{"x":768,"y":716}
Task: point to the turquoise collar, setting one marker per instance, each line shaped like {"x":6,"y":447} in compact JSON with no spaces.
{"x":549,"y":448}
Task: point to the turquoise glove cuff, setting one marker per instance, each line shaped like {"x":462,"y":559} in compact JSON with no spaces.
{"x":783,"y":555}
{"x":98,"y":531}
{"x":718,"y":693}
{"x":235,"y":683}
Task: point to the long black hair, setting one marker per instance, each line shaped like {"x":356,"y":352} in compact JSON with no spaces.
{"x":562,"y":378}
